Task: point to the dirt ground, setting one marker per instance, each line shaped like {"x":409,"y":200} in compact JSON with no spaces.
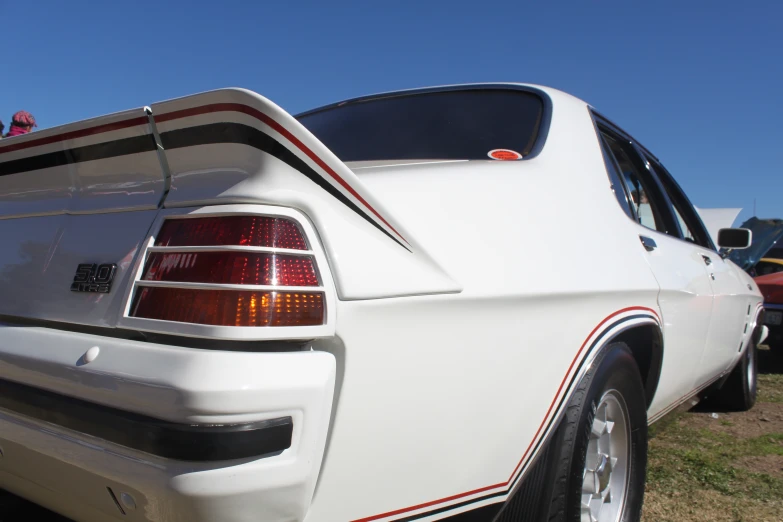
{"x":701,"y":468}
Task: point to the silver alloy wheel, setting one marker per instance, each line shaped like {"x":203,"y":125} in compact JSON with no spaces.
{"x":751,"y":367}
{"x":606,"y":474}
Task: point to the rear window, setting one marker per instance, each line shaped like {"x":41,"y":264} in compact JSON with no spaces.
{"x":441,"y":125}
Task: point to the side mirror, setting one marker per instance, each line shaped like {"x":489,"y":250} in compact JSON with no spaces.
{"x":734,"y":238}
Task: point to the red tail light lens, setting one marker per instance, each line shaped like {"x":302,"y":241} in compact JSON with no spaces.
{"x":258,"y":231}
{"x":166,"y":291}
{"x":230,"y":307}
{"x":236,"y":268}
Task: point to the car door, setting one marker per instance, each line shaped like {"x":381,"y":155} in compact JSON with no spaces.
{"x":730,"y":300}
{"x":685,"y":297}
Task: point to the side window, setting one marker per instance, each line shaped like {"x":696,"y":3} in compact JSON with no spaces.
{"x":618,"y":187}
{"x":691,"y":225}
{"x":686,"y":232}
{"x":645,"y":202}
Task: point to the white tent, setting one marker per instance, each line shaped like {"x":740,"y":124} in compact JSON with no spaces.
{"x":716,"y":218}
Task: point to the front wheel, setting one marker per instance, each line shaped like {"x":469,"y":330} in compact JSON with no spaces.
{"x":602,"y":459}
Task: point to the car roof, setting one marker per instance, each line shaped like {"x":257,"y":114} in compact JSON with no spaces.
{"x":547,"y":92}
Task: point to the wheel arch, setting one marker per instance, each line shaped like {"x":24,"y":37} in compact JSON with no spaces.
{"x":646,"y":344}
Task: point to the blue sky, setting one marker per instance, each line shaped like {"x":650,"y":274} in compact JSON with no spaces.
{"x":697,"y":82}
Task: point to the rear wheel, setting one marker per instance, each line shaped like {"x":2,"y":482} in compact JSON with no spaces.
{"x":602,"y":459}
{"x":738,"y":393}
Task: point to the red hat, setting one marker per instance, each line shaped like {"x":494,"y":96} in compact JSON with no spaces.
{"x":23,"y":118}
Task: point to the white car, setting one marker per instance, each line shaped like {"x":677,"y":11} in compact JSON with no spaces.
{"x":463,"y":303}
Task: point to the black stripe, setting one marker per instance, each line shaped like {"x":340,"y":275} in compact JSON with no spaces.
{"x":110,"y":149}
{"x":570,"y":385}
{"x":189,"y":442}
{"x":482,"y":514}
{"x":535,"y":449}
{"x":227,"y":132}
{"x":214,"y":133}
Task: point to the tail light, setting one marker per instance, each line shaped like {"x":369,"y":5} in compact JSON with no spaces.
{"x":252,"y":231}
{"x":236,"y":271}
{"x":231,"y":267}
{"x":230,"y":307}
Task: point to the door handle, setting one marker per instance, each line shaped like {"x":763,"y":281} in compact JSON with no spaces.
{"x":707,"y":260}
{"x":648,"y":243}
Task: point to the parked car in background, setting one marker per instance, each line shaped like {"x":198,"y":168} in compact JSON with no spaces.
{"x":367,"y":312}
{"x":763,"y":260}
{"x":771,"y":286}
{"x":768,"y":265}
{"x":765,"y":255}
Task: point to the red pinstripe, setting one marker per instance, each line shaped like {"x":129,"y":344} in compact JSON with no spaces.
{"x":206,"y":109}
{"x":535,"y":437}
{"x":237,"y":107}
{"x":250,"y":111}
{"x":91,"y":131}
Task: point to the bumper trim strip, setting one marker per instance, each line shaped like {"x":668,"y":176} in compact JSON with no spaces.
{"x":187,"y":442}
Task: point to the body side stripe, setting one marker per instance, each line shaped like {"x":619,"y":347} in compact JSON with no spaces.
{"x":67,"y":156}
{"x":226,"y":132}
{"x":83,"y":133}
{"x":263,"y":118}
{"x":604,"y":326}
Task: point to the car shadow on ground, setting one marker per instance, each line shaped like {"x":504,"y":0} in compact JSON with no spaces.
{"x":15,"y":509}
{"x":770,"y":361}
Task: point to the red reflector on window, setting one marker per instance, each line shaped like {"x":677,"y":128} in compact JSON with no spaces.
{"x":260,"y":231}
{"x":229,"y":307}
{"x":236,"y":268}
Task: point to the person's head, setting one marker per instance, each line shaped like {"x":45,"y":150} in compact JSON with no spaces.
{"x":23,"y":120}
{"x":1,"y":127}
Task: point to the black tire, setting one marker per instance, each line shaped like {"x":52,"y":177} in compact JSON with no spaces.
{"x":614,"y":369}
{"x":739,"y":391}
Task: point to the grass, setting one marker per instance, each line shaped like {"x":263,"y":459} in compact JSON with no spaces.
{"x":771,"y":388}
{"x":727,"y":469}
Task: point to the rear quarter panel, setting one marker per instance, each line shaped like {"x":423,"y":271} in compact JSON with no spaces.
{"x":445,"y":397}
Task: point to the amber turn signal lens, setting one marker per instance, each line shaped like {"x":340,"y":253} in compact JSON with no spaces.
{"x":236,"y":268}
{"x":229,"y":307}
{"x":259,"y":231}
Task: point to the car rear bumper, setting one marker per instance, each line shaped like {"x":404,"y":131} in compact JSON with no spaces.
{"x":160,"y":432}
{"x":178,"y":441}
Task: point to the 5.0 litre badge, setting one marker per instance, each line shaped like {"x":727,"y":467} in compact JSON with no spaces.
{"x":93,"y":278}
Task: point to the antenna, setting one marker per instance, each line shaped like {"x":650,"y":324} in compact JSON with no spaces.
{"x":754,"y":207}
